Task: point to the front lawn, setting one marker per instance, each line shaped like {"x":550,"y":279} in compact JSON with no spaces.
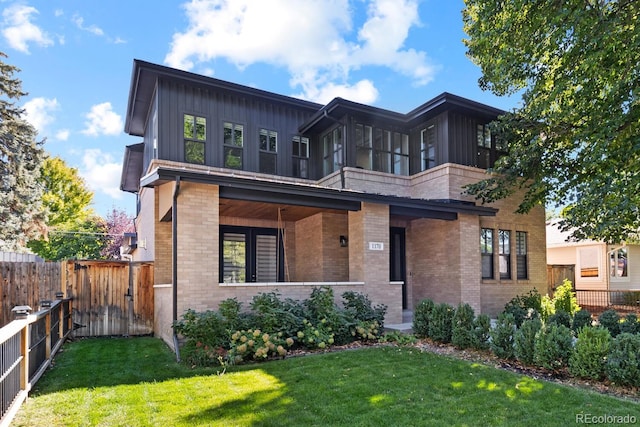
{"x":136,"y":382}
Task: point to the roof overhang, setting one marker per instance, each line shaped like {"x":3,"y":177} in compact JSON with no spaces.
{"x":132,"y":167}
{"x":251,"y":189}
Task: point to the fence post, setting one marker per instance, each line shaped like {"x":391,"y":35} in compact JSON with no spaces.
{"x":22,"y":312}
{"x":47,"y":327}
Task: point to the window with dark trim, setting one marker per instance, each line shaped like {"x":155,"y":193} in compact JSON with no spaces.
{"x":483,"y":137}
{"x":521,"y":255}
{"x":195,"y":135}
{"x":504,"y":253}
{"x":250,"y":254}
{"x":364,"y":146}
{"x":486,"y":252}
{"x":332,"y":150}
{"x":300,"y":154}
{"x":428,"y":147}
{"x":268,"y":142}
{"x":233,"y":142}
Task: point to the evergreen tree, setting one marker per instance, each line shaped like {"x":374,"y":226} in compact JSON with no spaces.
{"x":21,"y":212}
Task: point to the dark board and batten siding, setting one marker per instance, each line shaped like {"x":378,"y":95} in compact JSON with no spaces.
{"x":217,"y":107}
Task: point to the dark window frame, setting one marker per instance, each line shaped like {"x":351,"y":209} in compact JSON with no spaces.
{"x":504,"y":254}
{"x":522,"y":270}
{"x":268,"y":151}
{"x":251,"y":234}
{"x":194,"y":140}
{"x":487,"y":245}
{"x":300,"y":159}
{"x":230,"y":147}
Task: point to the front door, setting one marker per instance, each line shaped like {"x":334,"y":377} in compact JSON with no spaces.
{"x":397,"y":269}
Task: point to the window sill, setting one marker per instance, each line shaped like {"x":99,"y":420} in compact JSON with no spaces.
{"x":277,"y":284}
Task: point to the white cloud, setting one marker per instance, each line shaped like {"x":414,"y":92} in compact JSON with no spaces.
{"x":102,"y":120}
{"x":93,"y":29}
{"x":39,"y":112}
{"x":19,"y":31}
{"x":62,"y":135}
{"x":364,"y":91}
{"x":101,"y":172}
{"x":315,"y":41}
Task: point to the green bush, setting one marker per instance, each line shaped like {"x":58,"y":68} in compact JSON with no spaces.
{"x":564,"y":298}
{"x":525,"y":306}
{"x":623,"y":360}
{"x":553,"y":347}
{"x":362,"y":307}
{"x":270,"y":313}
{"x":590,"y":354}
{"x":630,"y":324}
{"x":318,"y":335}
{"x":206,"y":334}
{"x":581,"y":319}
{"x":441,"y":322}
{"x":257,"y":345}
{"x":421,"y":317}
{"x":525,"y":340}
{"x":610,"y":320}
{"x":481,"y":330}
{"x":462,"y":327}
{"x":560,"y":317}
{"x":546,"y":308}
{"x":502,"y":336}
{"x":399,"y":338}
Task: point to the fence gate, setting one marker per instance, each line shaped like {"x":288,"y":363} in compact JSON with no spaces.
{"x":110,"y":297}
{"x":556,"y":274}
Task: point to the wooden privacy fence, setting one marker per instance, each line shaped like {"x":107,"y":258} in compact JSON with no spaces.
{"x":556,"y":274}
{"x":110,"y":297}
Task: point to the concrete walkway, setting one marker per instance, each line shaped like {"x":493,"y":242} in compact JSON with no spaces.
{"x":406,"y":325}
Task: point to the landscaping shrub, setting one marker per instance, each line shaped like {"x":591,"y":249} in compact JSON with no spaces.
{"x":462,"y":327}
{"x":590,"y":353}
{"x":362,"y":307}
{"x":525,"y":306}
{"x":257,"y":345}
{"x":525,"y":340}
{"x":206,"y":336}
{"x":630,"y":324}
{"x":399,"y":338}
{"x":421,"y":317}
{"x":610,"y":320}
{"x":581,"y":319}
{"x":270,"y":313}
{"x":553,"y":347}
{"x":546,"y":308}
{"x":441,"y":322}
{"x":560,"y":317}
{"x":481,"y":330}
{"x":564,"y":298}
{"x":623,"y":360}
{"x":502,"y":336}
{"x":321,"y":307}
{"x":317,"y":335}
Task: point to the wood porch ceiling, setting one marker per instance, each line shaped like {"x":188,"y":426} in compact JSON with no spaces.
{"x":269,"y":211}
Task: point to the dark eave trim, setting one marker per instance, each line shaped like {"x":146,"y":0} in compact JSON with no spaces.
{"x":323,"y":197}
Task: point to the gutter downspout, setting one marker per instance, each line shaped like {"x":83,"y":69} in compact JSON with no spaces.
{"x":174,"y":237}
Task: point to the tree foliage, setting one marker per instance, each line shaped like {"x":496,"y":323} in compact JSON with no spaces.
{"x":21,"y":213}
{"x":74,"y":230}
{"x":575,"y":139}
{"x":118,"y":222}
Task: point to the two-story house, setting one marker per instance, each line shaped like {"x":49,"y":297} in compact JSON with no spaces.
{"x":242,"y":191}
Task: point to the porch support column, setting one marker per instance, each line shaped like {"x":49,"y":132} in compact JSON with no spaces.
{"x":369,"y":258}
{"x":469,"y":258}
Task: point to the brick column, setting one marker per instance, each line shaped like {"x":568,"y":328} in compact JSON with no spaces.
{"x":369,"y":258}
{"x":470,"y":269}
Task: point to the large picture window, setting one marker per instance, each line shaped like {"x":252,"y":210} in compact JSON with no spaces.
{"x":195,"y":135}
{"x":233,"y":142}
{"x":486,"y":252}
{"x":250,"y":255}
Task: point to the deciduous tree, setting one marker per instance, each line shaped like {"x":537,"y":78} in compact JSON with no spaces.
{"x":118,"y":223}
{"x":575,"y":139}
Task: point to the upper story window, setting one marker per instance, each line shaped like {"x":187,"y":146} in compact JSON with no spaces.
{"x":486,"y":252}
{"x":300,"y":154}
{"x":195,"y":135}
{"x":428,"y":147}
{"x":233,"y":143}
{"x":400,"y":153}
{"x":391,"y":152}
{"x":364,"y":146}
{"x":332,"y":143}
{"x":483,"y":137}
{"x":268,"y":151}
{"x":619,"y":263}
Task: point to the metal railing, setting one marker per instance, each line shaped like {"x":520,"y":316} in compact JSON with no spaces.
{"x":27,"y":346}
{"x":624,"y":301}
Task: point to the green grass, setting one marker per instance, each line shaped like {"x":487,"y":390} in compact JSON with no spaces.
{"x":136,"y":382}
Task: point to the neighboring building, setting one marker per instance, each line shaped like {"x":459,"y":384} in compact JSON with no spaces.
{"x":598,"y":266}
{"x":242,"y":191}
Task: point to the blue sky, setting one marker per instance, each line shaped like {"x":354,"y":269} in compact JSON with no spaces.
{"x":76,"y":58}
